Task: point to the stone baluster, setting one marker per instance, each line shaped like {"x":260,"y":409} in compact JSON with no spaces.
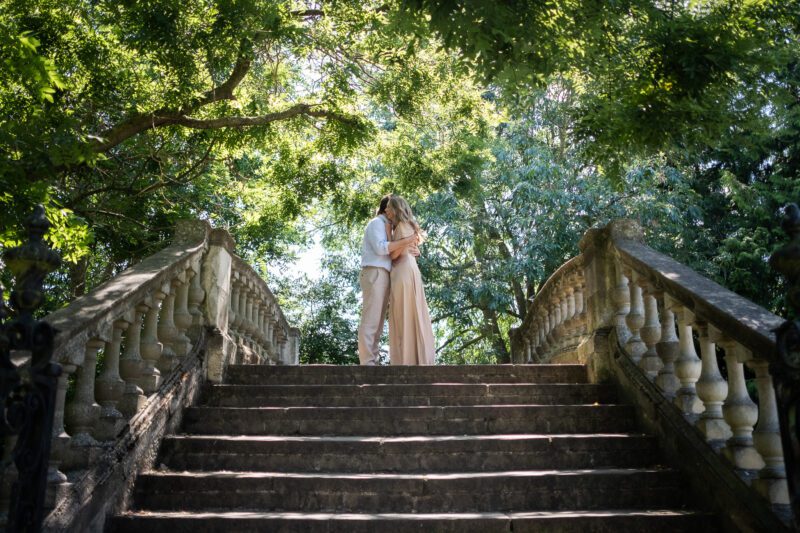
{"x":650,"y":334}
{"x":83,"y":412}
{"x":580,"y":309}
{"x":275,"y":340}
{"x":525,"y":346}
{"x":248,"y":327}
{"x":294,"y":333}
{"x":255,"y":331}
{"x":247,"y":310}
{"x":551,"y":326}
{"x":166,"y":330}
{"x":622,"y":305}
{"x":712,"y":390}
{"x":557,"y":321}
{"x":771,"y":482}
{"x":252,"y":304}
{"x":131,"y":365}
{"x":531,"y":345}
{"x":233,"y":311}
{"x":150,"y":348}
{"x":282,"y":347}
{"x":196,"y":297}
{"x":241,"y":308}
{"x":182,"y":317}
{"x":264,"y":329}
{"x":563,"y":327}
{"x":555,"y":317}
{"x":668,"y":349}
{"x":688,"y":365}
{"x":572,"y":334}
{"x":534,"y":337}
{"x":740,"y":412}
{"x":544,"y":346}
{"x":634,"y":346}
{"x":256,"y":335}
{"x":257,"y":324}
{"x":109,"y":386}
{"x":57,"y":481}
{"x":269,"y":327}
{"x":541,"y":344}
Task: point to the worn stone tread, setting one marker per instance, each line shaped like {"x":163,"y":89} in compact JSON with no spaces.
{"x":433,"y":420}
{"x":421,"y":492}
{"x":652,"y":520}
{"x":407,"y":394}
{"x":418,"y":453}
{"x":438,"y":449}
{"x":337,"y":374}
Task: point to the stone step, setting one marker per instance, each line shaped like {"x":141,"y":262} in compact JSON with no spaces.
{"x":336,"y":374}
{"x":400,"y":395}
{"x":580,"y":521}
{"x":408,"y":454}
{"x":394,"y":421}
{"x":529,"y":490}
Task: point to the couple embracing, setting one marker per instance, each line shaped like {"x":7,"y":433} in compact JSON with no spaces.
{"x":391,"y":280}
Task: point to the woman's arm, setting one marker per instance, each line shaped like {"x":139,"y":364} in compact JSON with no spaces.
{"x":388,"y":228}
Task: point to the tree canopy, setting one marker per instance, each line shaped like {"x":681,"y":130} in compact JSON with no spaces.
{"x":511,"y":125}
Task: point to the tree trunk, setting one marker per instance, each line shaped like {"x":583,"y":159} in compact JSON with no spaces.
{"x":492,"y":331}
{"x":77,"y":277}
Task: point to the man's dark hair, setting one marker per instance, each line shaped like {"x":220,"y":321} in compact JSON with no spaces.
{"x":383,"y":204}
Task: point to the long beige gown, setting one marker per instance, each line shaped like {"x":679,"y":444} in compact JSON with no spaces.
{"x":410,"y":333}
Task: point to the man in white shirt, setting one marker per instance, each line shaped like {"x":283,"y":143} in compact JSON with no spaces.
{"x":374,"y":279}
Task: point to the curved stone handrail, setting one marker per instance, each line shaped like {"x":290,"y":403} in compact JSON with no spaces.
{"x":656,"y":307}
{"x":257,"y":320}
{"x":555,"y":322}
{"x":163,"y":326}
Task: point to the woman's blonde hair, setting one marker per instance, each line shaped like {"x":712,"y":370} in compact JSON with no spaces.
{"x":402,"y":213}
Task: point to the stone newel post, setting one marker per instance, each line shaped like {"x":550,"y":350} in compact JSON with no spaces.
{"x":216,"y":282}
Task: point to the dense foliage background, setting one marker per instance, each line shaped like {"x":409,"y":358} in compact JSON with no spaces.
{"x":512,"y":126}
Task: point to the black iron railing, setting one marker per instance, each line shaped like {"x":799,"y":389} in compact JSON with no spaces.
{"x":28,"y":378}
{"x":785,"y":367}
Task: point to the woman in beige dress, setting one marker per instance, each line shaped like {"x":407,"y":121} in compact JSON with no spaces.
{"x":410,"y":333}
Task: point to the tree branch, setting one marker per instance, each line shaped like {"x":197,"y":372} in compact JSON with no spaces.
{"x":471,"y":342}
{"x":308,"y":13}
{"x":225,"y":90}
{"x":452,"y":339}
{"x":140,"y":124}
{"x":178,"y":180}
{"x":261,"y":120}
{"x":113,"y":214}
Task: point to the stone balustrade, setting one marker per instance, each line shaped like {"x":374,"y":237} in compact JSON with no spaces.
{"x":556,"y":319}
{"x":162,"y":327}
{"x":256,"y":321}
{"x":675,"y":327}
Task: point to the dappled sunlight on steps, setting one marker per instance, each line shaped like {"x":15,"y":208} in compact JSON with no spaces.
{"x":472,"y":448}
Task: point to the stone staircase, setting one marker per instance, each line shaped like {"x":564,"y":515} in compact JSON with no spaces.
{"x":445,"y":448}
